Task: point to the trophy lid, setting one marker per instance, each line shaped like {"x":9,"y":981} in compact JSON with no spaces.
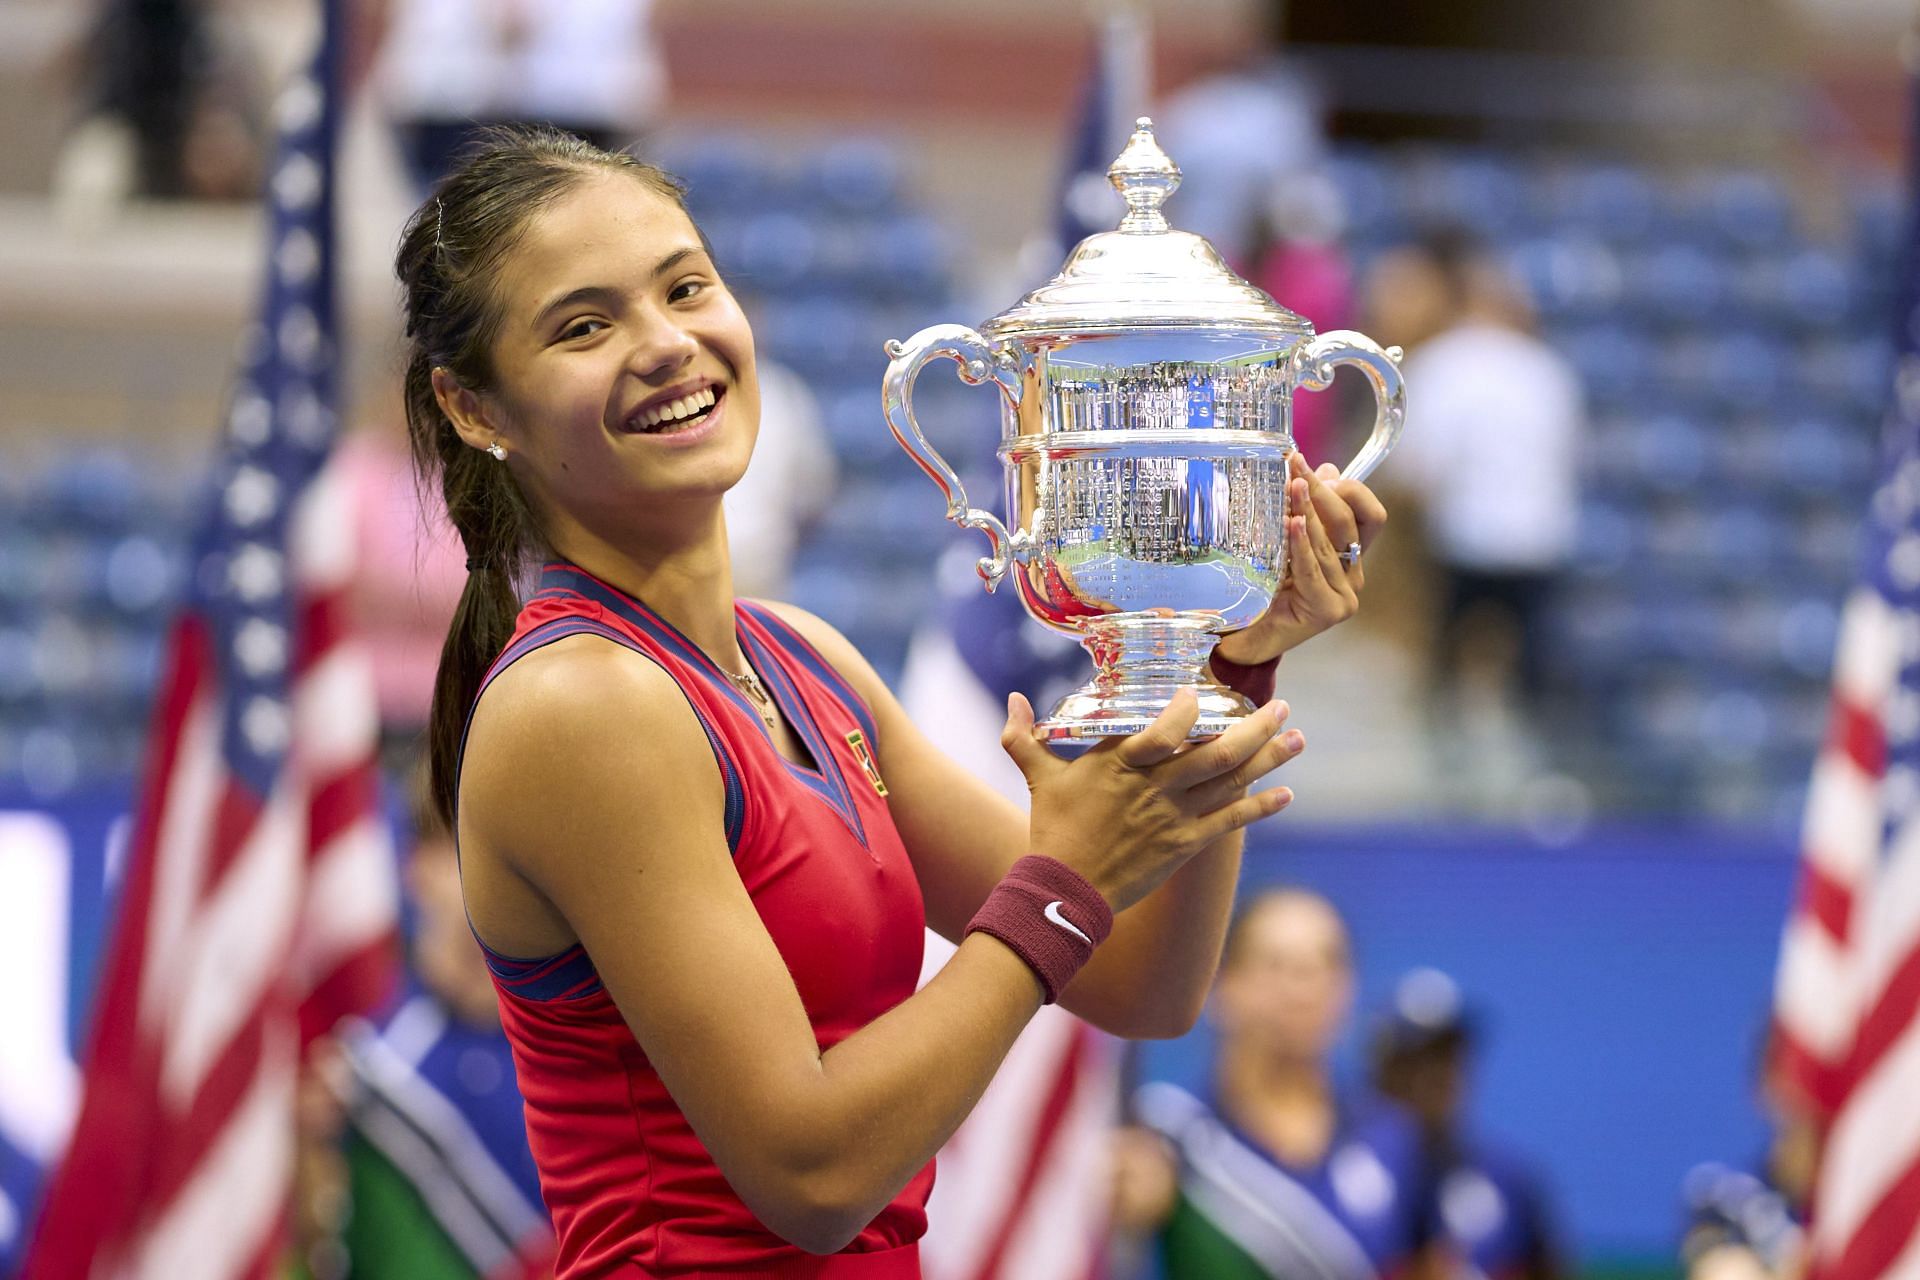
{"x":1145,"y":274}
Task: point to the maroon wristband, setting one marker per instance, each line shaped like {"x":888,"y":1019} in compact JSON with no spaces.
{"x":1049,"y":916}
{"x":1255,"y":682}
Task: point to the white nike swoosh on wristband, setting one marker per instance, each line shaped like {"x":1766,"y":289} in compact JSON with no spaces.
{"x":1053,"y":914}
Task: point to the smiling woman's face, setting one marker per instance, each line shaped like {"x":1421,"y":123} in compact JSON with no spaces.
{"x":624,"y":385}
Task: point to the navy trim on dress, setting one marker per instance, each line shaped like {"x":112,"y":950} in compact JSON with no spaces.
{"x":567,"y":579}
{"x":801,"y":649}
{"x":567,"y":975}
{"x":830,"y":783}
{"x":825,"y":777}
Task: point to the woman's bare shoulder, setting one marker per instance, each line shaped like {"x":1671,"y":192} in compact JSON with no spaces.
{"x":581,"y":726}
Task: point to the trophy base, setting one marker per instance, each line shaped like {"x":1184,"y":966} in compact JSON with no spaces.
{"x":1140,"y":661}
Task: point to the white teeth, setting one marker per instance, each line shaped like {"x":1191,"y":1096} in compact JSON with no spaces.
{"x":676,"y":409}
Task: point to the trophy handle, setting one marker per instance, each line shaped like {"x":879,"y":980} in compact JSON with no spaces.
{"x":979,"y":362}
{"x":1314,"y":363}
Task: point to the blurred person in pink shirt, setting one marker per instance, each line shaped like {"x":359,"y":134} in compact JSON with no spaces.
{"x":1297,"y":257}
{"x":411,"y":572}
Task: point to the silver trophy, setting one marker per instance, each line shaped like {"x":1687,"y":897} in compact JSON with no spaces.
{"x":1146,"y":421}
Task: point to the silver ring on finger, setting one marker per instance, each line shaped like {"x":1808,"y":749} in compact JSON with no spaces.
{"x":1351,"y":556}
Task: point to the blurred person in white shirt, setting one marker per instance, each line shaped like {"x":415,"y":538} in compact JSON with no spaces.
{"x":1238,"y":134}
{"x":448,"y":67}
{"x":788,"y":485}
{"x":1492,"y":455}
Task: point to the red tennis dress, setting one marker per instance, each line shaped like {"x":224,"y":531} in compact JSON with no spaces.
{"x":632,"y":1190}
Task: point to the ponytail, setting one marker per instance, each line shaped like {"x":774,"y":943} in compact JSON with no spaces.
{"x":485,"y":508}
{"x":482,"y":624}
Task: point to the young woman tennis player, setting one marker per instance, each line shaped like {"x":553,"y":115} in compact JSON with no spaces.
{"x":699,"y":838}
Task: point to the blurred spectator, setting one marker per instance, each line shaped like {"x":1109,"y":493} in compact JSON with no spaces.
{"x":1407,"y":297}
{"x":1277,"y":1173}
{"x":432,"y":1175}
{"x":1742,"y":1224}
{"x":410,"y":571}
{"x":1491,"y":1205}
{"x":172,"y":109}
{"x":1492,"y":454}
{"x":1238,"y":136}
{"x":789,"y":484}
{"x":1738,"y":1228}
{"x":449,"y":67}
{"x":1296,"y":256}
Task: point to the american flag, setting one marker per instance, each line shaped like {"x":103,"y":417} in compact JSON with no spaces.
{"x":259,"y":902}
{"x":1847,"y":997}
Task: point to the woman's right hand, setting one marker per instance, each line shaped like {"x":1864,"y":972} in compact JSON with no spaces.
{"x":1128,"y":813}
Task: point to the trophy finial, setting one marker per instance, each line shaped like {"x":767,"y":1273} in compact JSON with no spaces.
{"x":1144,"y":175}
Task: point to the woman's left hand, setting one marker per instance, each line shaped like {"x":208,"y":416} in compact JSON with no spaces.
{"x":1327,"y":516}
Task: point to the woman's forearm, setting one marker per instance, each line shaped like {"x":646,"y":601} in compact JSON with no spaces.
{"x":1149,"y":980}
{"x":888,"y":1096}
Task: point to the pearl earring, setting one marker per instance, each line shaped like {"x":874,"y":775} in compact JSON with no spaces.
{"x":498,"y":450}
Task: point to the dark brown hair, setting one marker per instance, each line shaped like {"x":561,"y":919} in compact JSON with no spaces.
{"x":449,"y":258}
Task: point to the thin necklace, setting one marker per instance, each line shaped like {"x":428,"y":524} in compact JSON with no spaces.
{"x":750,"y":685}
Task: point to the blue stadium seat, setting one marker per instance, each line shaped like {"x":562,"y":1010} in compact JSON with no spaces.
{"x":1671,"y":451}
{"x":1747,"y":209}
{"x":1568,"y":276}
{"x":1593,"y":625}
{"x":1827,"y":538}
{"x":1880,"y":215}
{"x":1736,"y":724}
{"x":19,"y":686}
{"x":856,"y":176}
{"x":1804,"y":632}
{"x":1816,"y":290}
{"x":723,"y":174}
{"x":1374,"y":211}
{"x":1613,"y":360}
{"x":1606,"y":539}
{"x":142,"y":576}
{"x":776,"y":251}
{"x":858,"y":430}
{"x":822,"y":338}
{"x":1746,"y":369}
{"x":1616,"y":202}
{"x":90,"y":489}
{"x":54,"y":760}
{"x":1477,"y":192}
{"x":1742,"y":541}
{"x":914,"y":256}
{"x":1850,"y":373}
{"x":1675,"y":283}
